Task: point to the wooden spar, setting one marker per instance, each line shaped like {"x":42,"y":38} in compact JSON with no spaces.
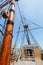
{"x":7,"y":41}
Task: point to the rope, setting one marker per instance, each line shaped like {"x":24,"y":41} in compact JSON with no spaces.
{"x":17,"y":35}
{"x":27,"y":37}
{"x":20,"y":14}
{"x":1,"y":0}
{"x":22,"y":41}
{"x":16,"y":38}
{"x":1,"y":32}
{"x":5,"y":2}
{"x":34,"y":23}
{"x":32,"y":36}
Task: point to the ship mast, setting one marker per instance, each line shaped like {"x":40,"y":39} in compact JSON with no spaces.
{"x":7,"y":41}
{"x":26,"y":33}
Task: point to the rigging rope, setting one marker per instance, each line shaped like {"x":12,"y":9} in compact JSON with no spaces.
{"x":20,"y":14}
{"x":5,"y":2}
{"x":23,"y":23}
{"x":22,"y":41}
{"x":1,"y":0}
{"x":17,"y":35}
{"x":1,"y":32}
{"x":14,"y":52}
{"x":16,"y":38}
{"x":30,"y":22}
{"x":33,"y":37}
{"x":5,"y":22}
{"x":34,"y":23}
{"x":27,"y":19}
{"x":27,"y":30}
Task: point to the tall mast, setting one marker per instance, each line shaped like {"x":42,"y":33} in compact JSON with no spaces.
{"x":7,"y":41}
{"x":26,"y":33}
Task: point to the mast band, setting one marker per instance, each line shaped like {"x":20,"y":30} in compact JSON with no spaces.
{"x":12,"y":4}
{"x":12,"y":10}
{"x":10,"y":22}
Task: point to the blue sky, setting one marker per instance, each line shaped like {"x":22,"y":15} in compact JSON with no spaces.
{"x":33,"y":11}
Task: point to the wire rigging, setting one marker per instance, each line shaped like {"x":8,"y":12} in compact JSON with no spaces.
{"x":22,"y":41}
{"x":30,"y":22}
{"x":17,"y":35}
{"x":20,"y":14}
{"x":22,"y":20}
{"x":3,"y":26}
{"x":33,"y":37}
{"x":1,"y":32}
{"x":16,"y":38}
{"x":27,"y":19}
{"x":3,"y":2}
{"x":34,"y":23}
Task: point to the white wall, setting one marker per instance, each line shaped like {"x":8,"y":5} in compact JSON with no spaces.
{"x":38,"y":62}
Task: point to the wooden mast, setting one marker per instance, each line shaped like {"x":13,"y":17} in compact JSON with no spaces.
{"x":7,"y":41}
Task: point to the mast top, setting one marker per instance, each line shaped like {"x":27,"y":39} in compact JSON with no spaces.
{"x":25,"y":26}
